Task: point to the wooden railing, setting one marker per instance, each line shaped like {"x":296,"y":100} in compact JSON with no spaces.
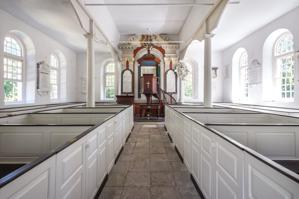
{"x":166,"y":97}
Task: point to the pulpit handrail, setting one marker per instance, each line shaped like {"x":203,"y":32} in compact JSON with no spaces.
{"x":163,"y":97}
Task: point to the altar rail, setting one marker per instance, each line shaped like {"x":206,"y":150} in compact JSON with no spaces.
{"x":76,"y":169}
{"x":224,"y":168}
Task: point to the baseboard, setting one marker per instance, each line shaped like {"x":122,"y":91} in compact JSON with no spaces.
{"x":101,"y":187}
{"x":169,"y":137}
{"x":118,"y":155}
{"x":179,"y":154}
{"x":197,"y":187}
{"x":128,"y":137}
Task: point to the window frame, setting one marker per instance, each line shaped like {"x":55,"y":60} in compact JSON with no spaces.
{"x":105,"y":78}
{"x":191,"y":72}
{"x":277,"y":78}
{"x":57,"y":69}
{"x":244,"y":82}
{"x":22,"y":59}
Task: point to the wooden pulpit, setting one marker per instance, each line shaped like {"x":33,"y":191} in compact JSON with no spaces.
{"x":148,"y":84}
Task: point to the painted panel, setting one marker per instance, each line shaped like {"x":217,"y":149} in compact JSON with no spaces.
{"x":285,"y":143}
{"x":13,"y":144}
{"x":261,"y":186}
{"x":38,"y":188}
{"x":206,"y":177}
{"x":223,"y":189}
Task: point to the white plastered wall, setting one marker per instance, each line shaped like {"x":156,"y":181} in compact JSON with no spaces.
{"x":195,"y":57}
{"x":254,"y":44}
{"x":42,"y":47}
{"x":101,"y":59}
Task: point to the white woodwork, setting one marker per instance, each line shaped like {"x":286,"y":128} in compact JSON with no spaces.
{"x":70,"y":171}
{"x":36,"y":183}
{"x":77,"y":171}
{"x":86,"y":110}
{"x":223,"y":170}
{"x":91,"y":161}
{"x":101,"y":165}
{"x":27,"y":141}
{"x":263,"y":138}
{"x":240,"y":118}
{"x":110,"y":145}
{"x":187,"y":144}
{"x":262,"y":181}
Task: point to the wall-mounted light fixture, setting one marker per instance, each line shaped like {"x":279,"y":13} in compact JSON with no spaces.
{"x":256,"y":63}
{"x":214,"y":72}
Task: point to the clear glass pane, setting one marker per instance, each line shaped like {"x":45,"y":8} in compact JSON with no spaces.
{"x":11,"y":46}
{"x":284,"y":44}
{"x":110,"y":68}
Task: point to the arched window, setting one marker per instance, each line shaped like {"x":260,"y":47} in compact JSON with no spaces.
{"x":284,"y":62}
{"x":243,"y":74}
{"x":188,"y":84}
{"x":109,"y":81}
{"x":13,"y":70}
{"x":54,"y":76}
{"x":240,"y":75}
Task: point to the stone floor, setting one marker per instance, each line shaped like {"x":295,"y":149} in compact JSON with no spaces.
{"x":149,"y":168}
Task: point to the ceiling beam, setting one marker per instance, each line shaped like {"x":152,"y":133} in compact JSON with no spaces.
{"x":155,"y":4}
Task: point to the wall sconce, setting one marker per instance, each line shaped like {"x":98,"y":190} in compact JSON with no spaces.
{"x":214,"y":72}
{"x":256,"y":63}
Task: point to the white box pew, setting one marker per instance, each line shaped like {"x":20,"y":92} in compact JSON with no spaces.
{"x":224,"y":168}
{"x":34,"y":141}
{"x":212,"y":110}
{"x":274,"y":141}
{"x":23,"y":108}
{"x":31,"y":109}
{"x":87,"y":110}
{"x":242,"y":118}
{"x":75,"y":170}
{"x":57,"y":118}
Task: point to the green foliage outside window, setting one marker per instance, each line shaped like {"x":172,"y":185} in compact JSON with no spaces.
{"x":110,"y":93}
{"x":10,"y":90}
{"x":188,"y":89}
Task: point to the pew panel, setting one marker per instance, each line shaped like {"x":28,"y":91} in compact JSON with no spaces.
{"x":225,"y":166}
{"x":34,"y":141}
{"x":36,"y":183}
{"x":263,"y":139}
{"x":262,"y":181}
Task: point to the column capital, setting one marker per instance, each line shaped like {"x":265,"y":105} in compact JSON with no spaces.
{"x":209,"y":35}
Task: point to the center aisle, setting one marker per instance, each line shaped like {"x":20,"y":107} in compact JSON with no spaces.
{"x":149,"y":168}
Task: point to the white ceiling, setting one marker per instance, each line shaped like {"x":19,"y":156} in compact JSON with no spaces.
{"x":154,"y":19}
{"x":240,"y":20}
{"x":55,"y":18}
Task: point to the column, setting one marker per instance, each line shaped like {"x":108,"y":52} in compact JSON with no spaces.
{"x":207,"y":71}
{"x":90,"y":97}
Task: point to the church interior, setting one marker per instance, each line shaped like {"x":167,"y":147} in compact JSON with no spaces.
{"x":149,"y":99}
